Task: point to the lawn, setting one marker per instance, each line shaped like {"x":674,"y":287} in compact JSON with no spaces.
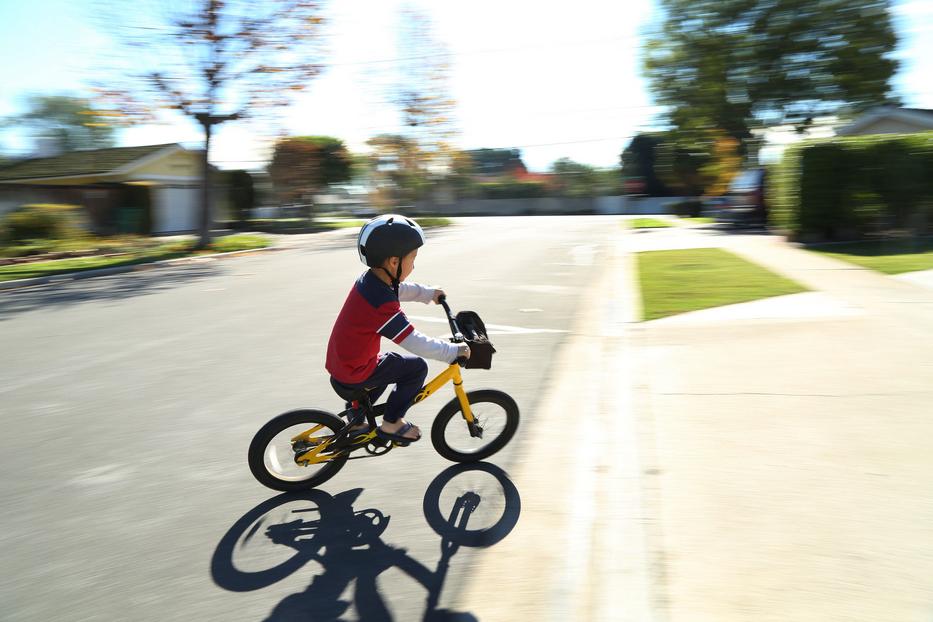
{"x":110,"y":244}
{"x":697,"y":220}
{"x":678,"y":281}
{"x":171,"y":250}
{"x":649,"y":223}
{"x":887,"y":256}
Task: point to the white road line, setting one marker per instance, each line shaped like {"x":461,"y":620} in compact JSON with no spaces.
{"x":493,"y":329}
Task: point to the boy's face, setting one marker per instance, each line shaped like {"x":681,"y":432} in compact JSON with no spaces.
{"x":408,"y":264}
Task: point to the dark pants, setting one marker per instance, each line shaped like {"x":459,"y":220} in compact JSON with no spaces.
{"x":407,"y":372}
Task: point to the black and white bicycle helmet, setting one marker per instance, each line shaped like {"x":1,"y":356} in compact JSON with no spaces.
{"x":389,"y":235}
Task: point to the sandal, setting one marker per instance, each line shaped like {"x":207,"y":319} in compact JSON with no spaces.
{"x":399,"y":435}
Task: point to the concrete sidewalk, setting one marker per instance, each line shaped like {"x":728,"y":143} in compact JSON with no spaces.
{"x":795,"y":458}
{"x":739,"y":466}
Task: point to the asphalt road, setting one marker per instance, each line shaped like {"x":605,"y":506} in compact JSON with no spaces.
{"x":128,"y":403}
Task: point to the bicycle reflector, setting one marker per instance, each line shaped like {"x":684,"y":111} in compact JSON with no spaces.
{"x":474,"y":332}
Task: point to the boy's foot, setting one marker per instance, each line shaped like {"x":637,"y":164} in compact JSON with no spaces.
{"x":359,"y":423}
{"x":357,"y":430}
{"x":400,"y":431}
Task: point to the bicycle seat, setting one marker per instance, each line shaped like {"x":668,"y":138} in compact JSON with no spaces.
{"x":350,"y":394}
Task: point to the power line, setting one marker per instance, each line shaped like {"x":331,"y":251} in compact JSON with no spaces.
{"x":398,"y":59}
{"x":549,"y":45}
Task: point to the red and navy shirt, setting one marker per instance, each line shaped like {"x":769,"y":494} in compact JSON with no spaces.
{"x":370,"y":311}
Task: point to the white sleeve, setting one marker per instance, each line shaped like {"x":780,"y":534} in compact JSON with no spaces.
{"x":412,"y":292}
{"x":420,"y":344}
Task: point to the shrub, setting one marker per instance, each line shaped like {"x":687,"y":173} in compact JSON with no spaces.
{"x":853,"y":187}
{"x":44,"y":221}
{"x":513,"y":190}
{"x":240,"y":242}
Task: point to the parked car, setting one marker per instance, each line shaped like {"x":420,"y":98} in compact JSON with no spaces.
{"x":712,"y":205}
{"x":745,"y":206}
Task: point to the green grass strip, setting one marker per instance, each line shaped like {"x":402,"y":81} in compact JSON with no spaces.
{"x":679,"y":281}
{"x":172,"y":250}
{"x":887,"y":256}
{"x":649,"y":223}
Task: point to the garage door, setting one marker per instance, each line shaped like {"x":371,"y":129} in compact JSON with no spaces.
{"x":176,"y":210}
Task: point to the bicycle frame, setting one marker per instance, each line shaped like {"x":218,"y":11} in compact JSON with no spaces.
{"x":452,"y":373}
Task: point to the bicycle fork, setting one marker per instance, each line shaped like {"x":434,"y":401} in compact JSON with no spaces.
{"x":475,"y":430}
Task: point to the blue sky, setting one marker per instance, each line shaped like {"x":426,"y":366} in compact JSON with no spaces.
{"x":554,"y":79}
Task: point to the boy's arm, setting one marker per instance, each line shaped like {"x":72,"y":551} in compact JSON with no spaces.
{"x":421,"y":345}
{"x":413,"y":292}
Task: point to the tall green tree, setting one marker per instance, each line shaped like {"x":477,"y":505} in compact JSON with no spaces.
{"x":304,"y":165}
{"x":738,"y":64}
{"x":215,"y":61}
{"x":69,"y":123}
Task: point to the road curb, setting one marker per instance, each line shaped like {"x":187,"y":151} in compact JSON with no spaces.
{"x":148,"y":265}
{"x":580,"y":550}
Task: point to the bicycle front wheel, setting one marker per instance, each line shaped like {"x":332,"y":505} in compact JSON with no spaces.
{"x":495,"y":414}
{"x":286,"y":453}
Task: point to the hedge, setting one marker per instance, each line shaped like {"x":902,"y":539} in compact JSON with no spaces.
{"x":854,"y":187}
{"x":513,"y":190}
{"x":43,"y":221}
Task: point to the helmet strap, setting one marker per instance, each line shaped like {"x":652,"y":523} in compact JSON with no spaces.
{"x":395,"y":279}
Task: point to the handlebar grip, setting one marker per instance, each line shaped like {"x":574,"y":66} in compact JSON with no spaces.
{"x":461,"y":361}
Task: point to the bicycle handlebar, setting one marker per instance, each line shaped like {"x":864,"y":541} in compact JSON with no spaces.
{"x":454,"y":329}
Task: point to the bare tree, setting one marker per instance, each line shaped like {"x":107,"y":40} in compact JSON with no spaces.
{"x":215,"y":61}
{"x":423,"y":89}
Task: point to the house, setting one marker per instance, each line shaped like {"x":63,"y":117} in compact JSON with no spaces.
{"x":149,"y":189}
{"x":890,"y":120}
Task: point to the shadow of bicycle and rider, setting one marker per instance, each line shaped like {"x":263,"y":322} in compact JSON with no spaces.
{"x":472,"y":505}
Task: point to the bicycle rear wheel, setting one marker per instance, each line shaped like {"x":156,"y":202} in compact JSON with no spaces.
{"x":274,"y":452}
{"x":496,"y":414}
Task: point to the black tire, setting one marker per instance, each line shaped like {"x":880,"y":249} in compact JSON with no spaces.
{"x":303,"y":477}
{"x":505,"y":413}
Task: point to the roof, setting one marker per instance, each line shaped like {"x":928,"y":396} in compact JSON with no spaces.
{"x":921,"y":117}
{"x":75,"y":163}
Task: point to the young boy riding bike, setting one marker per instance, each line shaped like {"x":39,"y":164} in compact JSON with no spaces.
{"x":388,"y":246}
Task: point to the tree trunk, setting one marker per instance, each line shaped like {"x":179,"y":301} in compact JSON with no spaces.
{"x":204,"y":239}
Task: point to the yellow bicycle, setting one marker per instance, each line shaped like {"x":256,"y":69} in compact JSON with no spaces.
{"x":304,"y":448}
